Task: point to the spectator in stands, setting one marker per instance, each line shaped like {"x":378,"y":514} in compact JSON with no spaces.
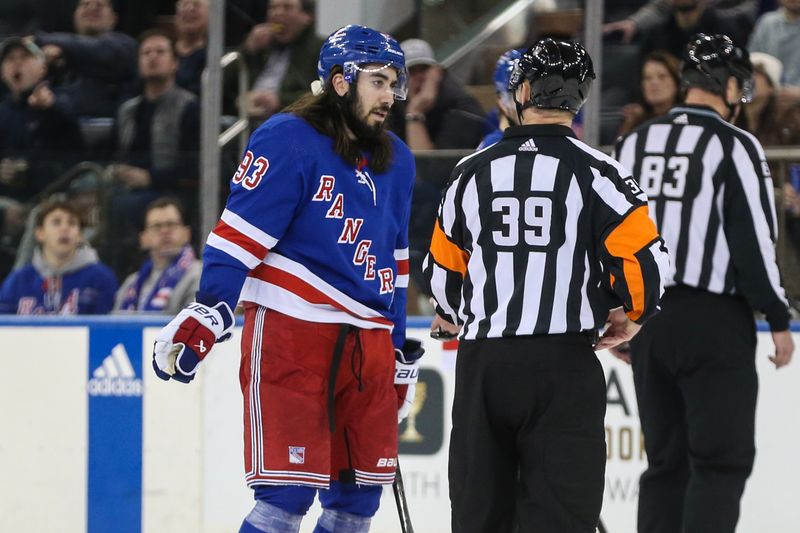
{"x":281,"y":56}
{"x":778,"y":34}
{"x":39,"y":135}
{"x":660,"y":90}
{"x":689,"y":17}
{"x":191,"y":28}
{"x":438,"y":113}
{"x":157,"y":141}
{"x":65,"y":276}
{"x":506,"y":110}
{"x":167,"y":281}
{"x":656,"y":12}
{"x":96,"y":65}
{"x":772,"y":121}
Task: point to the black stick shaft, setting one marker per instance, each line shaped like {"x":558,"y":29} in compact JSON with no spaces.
{"x":402,"y":503}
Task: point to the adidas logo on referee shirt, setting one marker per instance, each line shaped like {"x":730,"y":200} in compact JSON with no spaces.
{"x":115,"y":376}
{"x":528,"y":146}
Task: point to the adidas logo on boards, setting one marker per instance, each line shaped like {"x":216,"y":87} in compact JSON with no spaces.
{"x":683,"y":118}
{"x":528,"y":146}
{"x":115,"y":376}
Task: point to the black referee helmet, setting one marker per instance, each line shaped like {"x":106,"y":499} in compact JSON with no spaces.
{"x":560,"y":74}
{"x":710,"y":60}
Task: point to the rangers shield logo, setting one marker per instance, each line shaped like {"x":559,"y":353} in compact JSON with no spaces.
{"x":297,"y":455}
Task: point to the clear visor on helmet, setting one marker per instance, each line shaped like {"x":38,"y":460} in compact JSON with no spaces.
{"x":399,"y":89}
{"x":748,"y":87}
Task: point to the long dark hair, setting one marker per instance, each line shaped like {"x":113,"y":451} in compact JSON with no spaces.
{"x":335,"y":116}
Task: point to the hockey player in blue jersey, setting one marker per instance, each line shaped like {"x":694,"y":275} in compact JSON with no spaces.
{"x":506,"y":112}
{"x":313,"y":243}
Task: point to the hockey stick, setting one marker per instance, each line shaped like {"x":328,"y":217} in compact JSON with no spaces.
{"x":402,"y":503}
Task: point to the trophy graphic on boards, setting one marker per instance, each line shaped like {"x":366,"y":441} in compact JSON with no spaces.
{"x":411,"y":434}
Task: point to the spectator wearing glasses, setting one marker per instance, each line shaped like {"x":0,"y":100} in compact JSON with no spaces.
{"x":168,"y":279}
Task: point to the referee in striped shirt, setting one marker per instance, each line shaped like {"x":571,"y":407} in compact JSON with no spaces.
{"x":537,"y":238}
{"x":711,"y":197}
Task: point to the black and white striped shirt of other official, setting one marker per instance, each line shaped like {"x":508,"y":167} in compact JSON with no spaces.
{"x":542,"y":234}
{"x":712,"y":199}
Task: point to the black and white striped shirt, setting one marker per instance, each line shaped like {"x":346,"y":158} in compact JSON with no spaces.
{"x":541,"y":234}
{"x":711,"y":197}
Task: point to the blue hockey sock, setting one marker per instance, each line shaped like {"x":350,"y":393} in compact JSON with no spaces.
{"x":360,"y":500}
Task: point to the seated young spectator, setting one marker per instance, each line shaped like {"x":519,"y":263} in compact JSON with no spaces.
{"x":167,"y":281}
{"x":96,"y":64}
{"x":191,"y":29}
{"x":506,"y":110}
{"x":660,"y":90}
{"x":777,"y":33}
{"x":438,"y":113}
{"x":281,"y":56}
{"x":65,"y":276}
{"x":39,"y":135}
{"x":157,"y":141}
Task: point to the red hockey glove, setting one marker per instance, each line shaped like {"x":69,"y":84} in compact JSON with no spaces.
{"x":406,"y":374}
{"x":188,"y":339}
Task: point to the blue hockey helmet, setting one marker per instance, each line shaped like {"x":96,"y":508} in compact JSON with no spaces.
{"x":503,"y":69}
{"x":353,"y":46}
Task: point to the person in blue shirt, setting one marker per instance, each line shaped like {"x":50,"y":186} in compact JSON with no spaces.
{"x":506,"y":111}
{"x":313,"y":243}
{"x":65,"y":276}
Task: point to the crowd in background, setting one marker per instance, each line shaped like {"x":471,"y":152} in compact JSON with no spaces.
{"x":100,"y":121}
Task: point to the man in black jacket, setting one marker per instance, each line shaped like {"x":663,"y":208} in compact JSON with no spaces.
{"x":281,"y":56}
{"x":95,"y":64}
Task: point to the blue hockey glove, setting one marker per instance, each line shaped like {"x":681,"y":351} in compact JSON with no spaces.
{"x":188,"y":339}
{"x":406,"y":374}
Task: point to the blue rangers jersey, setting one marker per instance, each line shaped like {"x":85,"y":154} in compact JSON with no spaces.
{"x":311,"y":236}
{"x":490,"y":139}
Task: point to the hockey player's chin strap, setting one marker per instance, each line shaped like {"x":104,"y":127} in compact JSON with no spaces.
{"x":522,"y":107}
{"x":732,"y":110}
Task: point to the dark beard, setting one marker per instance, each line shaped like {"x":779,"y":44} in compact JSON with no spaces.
{"x":367,"y":137}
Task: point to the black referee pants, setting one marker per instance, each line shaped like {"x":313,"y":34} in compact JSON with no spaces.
{"x":527,"y":449}
{"x":696,"y":385}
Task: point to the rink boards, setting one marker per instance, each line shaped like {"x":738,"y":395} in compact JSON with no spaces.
{"x":91,"y":441}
